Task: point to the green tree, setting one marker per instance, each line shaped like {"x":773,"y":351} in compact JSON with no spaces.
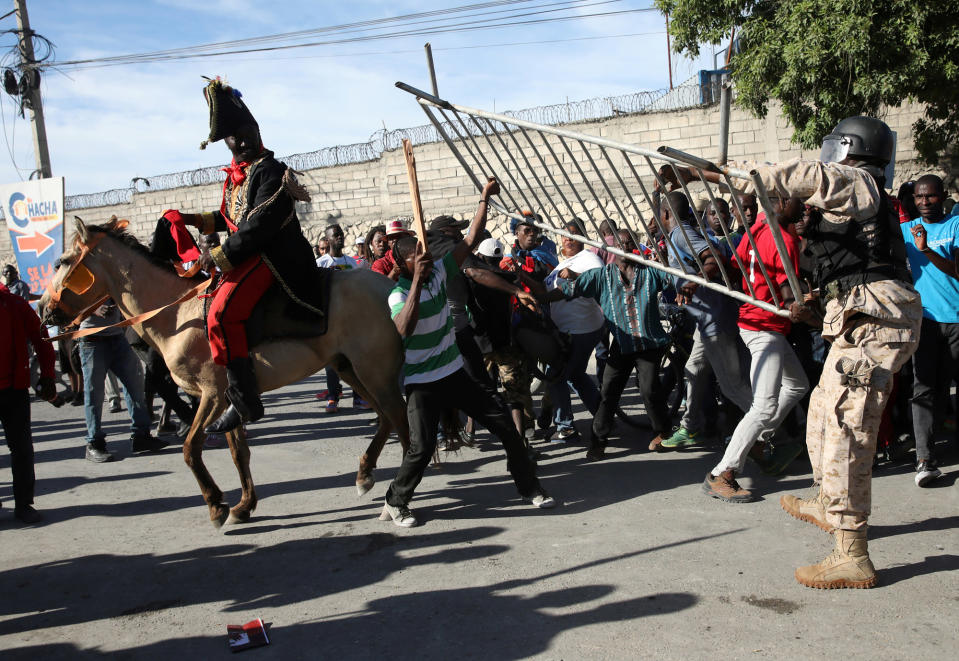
{"x":828,"y":59}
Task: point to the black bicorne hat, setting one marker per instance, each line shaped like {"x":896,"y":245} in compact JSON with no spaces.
{"x":227,"y":111}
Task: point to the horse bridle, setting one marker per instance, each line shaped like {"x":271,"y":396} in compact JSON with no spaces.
{"x":78,"y":279}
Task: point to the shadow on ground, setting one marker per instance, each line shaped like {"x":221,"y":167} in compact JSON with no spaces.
{"x":505,"y":620}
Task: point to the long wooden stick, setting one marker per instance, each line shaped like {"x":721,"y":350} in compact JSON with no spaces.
{"x":419,"y":227}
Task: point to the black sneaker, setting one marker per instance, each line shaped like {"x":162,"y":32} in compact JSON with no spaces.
{"x":116,"y":407}
{"x":146,"y":443}
{"x":97,"y":453}
{"x":926,"y":472}
{"x":26,"y":514}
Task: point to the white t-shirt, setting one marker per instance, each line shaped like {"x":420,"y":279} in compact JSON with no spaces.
{"x":580,"y":315}
{"x":344,"y":263}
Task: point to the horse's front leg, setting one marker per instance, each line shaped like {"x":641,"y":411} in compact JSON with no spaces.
{"x":240,"y":450}
{"x":193,"y":456}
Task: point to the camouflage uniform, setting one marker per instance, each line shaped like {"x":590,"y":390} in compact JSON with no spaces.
{"x":877,"y":323}
{"x":873,"y":328}
{"x":514,"y":376}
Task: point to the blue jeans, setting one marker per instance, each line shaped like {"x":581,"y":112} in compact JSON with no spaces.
{"x":112,"y":353}
{"x":574,"y":375}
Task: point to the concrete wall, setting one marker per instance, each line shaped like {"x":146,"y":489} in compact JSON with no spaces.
{"x":360,"y":195}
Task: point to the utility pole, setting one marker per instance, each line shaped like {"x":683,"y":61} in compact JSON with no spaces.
{"x":31,"y":95}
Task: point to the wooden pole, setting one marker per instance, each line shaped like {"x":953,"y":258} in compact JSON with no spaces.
{"x":419,"y":226}
{"x":669,"y":54}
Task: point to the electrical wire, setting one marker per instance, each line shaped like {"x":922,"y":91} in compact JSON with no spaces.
{"x":422,"y":31}
{"x":11,"y":148}
{"x":455,"y":48}
{"x":406,"y":19}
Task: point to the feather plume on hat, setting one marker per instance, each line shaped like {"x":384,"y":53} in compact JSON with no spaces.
{"x":228,"y":112}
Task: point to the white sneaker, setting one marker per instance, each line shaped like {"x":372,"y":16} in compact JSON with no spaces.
{"x":543,"y":500}
{"x":402,"y":516}
{"x":926,"y":472}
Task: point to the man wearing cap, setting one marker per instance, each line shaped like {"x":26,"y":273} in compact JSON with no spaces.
{"x":433,"y":374}
{"x":531,"y":263}
{"x":359,"y":247}
{"x":265,"y":245}
{"x":386,"y":264}
{"x":444,"y":234}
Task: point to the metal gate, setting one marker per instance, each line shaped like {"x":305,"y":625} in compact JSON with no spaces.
{"x":543,"y":169}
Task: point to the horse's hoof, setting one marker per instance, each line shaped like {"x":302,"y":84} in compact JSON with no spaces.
{"x":363,"y":486}
{"x":222,"y":514}
{"x":242,"y":516}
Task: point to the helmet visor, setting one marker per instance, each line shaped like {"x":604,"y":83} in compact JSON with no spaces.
{"x":835,"y":148}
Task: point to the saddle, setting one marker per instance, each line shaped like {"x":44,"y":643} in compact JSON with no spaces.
{"x":277,"y":316}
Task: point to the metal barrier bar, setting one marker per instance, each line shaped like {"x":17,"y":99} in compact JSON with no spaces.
{"x":752,"y":242}
{"x":772,"y":219}
{"x":599,"y":202}
{"x":654,"y":210}
{"x":519,"y":168}
{"x":702,"y":229}
{"x":532,"y":170}
{"x":678,"y":220}
{"x":522,"y":173}
{"x":549,"y":174}
{"x":569,"y":181}
{"x":727,"y":234}
{"x":632,"y":201}
{"x":489,"y":166}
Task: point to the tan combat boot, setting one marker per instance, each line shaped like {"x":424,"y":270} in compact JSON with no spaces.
{"x":812,"y":510}
{"x":848,"y":566}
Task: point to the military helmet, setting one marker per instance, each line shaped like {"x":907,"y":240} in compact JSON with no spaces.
{"x":864,"y":138}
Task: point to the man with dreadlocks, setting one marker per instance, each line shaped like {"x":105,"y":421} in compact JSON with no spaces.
{"x":264,"y":246}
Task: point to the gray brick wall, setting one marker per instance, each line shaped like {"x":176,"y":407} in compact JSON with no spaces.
{"x":360,"y":195}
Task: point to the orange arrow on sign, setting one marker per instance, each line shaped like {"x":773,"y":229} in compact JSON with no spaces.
{"x":36,"y":242}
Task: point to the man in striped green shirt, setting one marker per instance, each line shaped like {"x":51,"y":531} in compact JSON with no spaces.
{"x":434,"y":377}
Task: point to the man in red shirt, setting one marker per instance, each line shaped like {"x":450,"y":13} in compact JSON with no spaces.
{"x":777,"y":377}
{"x":386,"y":264}
{"x":19,"y":324}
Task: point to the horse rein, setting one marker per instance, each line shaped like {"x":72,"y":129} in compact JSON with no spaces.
{"x":85,"y":280}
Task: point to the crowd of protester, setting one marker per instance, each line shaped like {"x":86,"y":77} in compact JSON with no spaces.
{"x":536,"y":323}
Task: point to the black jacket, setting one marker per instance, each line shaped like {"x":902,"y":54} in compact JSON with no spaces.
{"x":267,"y":226}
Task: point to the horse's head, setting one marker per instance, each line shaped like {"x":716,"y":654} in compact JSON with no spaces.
{"x":78,"y":285}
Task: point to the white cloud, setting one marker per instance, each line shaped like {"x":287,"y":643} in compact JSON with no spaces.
{"x":108,"y":125}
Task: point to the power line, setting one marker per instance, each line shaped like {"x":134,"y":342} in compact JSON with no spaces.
{"x":455,"y":48}
{"x":422,"y":31}
{"x":406,"y":19}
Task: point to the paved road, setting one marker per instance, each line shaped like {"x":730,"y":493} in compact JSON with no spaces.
{"x":634,"y":563}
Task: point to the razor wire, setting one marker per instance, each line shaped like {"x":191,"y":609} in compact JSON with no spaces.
{"x":557,"y":175}
{"x":685,"y":96}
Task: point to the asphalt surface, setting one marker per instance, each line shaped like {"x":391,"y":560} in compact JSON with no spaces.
{"x":635,"y":562}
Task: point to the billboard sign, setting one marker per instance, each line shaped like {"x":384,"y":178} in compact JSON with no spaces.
{"x":34,"y":214}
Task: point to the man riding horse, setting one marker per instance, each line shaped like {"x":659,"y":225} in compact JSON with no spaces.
{"x":264,"y":246}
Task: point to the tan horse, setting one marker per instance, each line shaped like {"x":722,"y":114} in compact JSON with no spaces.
{"x":361,"y":342}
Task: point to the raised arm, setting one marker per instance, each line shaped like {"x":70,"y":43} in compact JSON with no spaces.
{"x":465,"y":247}
{"x":493,"y":281}
{"x":944,"y":264}
{"x":407,"y":318}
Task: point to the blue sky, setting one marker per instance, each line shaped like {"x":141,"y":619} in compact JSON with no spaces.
{"x":107,"y":125}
